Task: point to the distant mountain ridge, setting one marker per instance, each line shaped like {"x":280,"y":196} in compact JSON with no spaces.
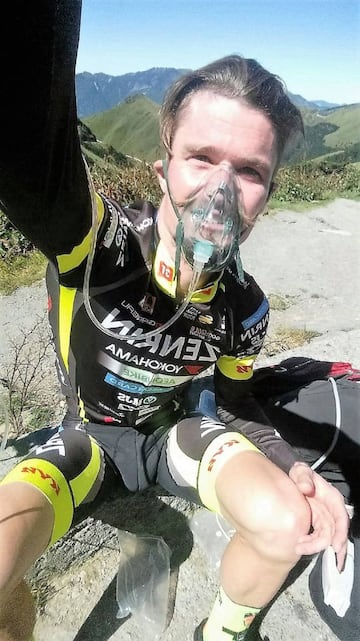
{"x":99,"y":91}
{"x":123,"y":113}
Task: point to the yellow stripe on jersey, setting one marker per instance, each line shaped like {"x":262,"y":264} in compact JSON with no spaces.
{"x":83,"y":483}
{"x":66,"y":304}
{"x":238,"y":369}
{"x":52,"y":483}
{"x":66,"y":262}
{"x":220,"y":450}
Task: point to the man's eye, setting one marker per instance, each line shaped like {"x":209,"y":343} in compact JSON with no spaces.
{"x":251,"y":172}
{"x":202,"y":158}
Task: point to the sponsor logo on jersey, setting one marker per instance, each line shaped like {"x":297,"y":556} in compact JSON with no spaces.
{"x":147,"y":222}
{"x":206,"y":319}
{"x":120,"y":242}
{"x":111,"y":410}
{"x":147,"y":304}
{"x":54,"y":444}
{"x":203,"y":333}
{"x":144,"y":361}
{"x":254,"y":319}
{"x":139,"y":375}
{"x":163,"y":345}
{"x":135,"y":314}
{"x":259,"y":328}
{"x":111,"y":230}
{"x":166,"y":271}
{"x":191,"y":313}
{"x":144,"y":411}
{"x":133,"y":401}
{"x":133,"y":388}
{"x":244,"y":369}
{"x":193,"y":369}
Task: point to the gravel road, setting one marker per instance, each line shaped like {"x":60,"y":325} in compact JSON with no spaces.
{"x":310,"y":260}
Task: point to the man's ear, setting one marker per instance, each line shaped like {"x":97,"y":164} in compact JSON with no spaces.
{"x":160,"y":170}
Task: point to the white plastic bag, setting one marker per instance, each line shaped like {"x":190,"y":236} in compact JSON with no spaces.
{"x":337,"y":585}
{"x":143,"y":580}
{"x":212,"y":533}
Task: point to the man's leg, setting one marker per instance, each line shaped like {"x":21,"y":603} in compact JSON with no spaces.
{"x":268,"y":514}
{"x":26,"y":523}
{"x":223,"y":471}
{"x":37,"y":502}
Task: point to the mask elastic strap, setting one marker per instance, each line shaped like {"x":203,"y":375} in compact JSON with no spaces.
{"x":174,"y":206}
{"x":239,"y":267}
{"x":179,"y":235}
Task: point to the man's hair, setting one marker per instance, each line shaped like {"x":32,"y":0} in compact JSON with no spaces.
{"x":234,"y":77}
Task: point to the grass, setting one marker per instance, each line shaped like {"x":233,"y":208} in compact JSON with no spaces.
{"x":280,"y":302}
{"x":285,"y":338}
{"x":21,"y":271}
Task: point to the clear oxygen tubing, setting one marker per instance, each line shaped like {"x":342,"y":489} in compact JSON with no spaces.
{"x":335,"y":438}
{"x":202,"y":253}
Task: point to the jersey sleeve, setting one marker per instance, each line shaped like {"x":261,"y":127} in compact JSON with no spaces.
{"x":235,"y":402}
{"x":44,"y":188}
{"x":236,"y":406}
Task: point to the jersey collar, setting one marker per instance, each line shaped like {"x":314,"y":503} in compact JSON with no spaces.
{"x":164,"y":275}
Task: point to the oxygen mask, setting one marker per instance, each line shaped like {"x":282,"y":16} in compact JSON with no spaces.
{"x":210,"y":222}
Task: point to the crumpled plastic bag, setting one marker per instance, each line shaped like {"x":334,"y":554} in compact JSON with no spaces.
{"x":337,"y":586}
{"x":212,"y":533}
{"x":143,"y":580}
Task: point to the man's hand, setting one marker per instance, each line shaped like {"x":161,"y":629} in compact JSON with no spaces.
{"x":329,"y":519}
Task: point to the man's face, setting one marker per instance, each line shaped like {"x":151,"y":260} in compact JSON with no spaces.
{"x":216,"y":131}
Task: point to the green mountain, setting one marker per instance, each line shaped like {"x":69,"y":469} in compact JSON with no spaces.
{"x":132,"y":128}
{"x":96,"y":152}
{"x":333,"y":133}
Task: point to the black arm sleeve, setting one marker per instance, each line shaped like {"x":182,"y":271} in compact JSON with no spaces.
{"x":43,"y":184}
{"x":237,"y":406}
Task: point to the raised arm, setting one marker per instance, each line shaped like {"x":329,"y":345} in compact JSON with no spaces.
{"x":43,"y":184}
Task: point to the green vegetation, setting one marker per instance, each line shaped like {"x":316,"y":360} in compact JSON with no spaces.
{"x":132,"y":126}
{"x":21,"y":270}
{"x":334,"y":130}
{"x":316,"y":182}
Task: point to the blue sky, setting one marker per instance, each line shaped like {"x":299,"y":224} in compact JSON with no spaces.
{"x":313,"y":45}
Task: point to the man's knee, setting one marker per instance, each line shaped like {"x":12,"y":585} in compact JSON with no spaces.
{"x":263,"y":505}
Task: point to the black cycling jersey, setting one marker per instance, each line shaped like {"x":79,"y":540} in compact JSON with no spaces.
{"x":127,"y":382}
{"x":44,"y":190}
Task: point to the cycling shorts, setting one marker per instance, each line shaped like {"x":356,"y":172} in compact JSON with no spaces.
{"x":80,"y":467}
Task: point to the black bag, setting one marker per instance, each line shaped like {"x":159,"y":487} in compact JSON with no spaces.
{"x":315,"y":405}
